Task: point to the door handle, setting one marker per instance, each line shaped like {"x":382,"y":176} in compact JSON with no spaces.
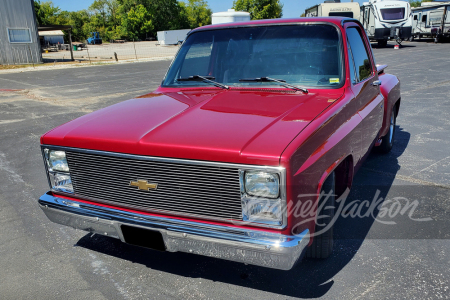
{"x":376,"y":83}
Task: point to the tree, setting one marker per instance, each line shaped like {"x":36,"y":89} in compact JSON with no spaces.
{"x":164,"y":13}
{"x":46,"y":12}
{"x":137,"y":23}
{"x":132,"y":19}
{"x":99,"y":8}
{"x":197,"y":12}
{"x":78,"y":19}
{"x":260,"y":9}
{"x":418,"y":3}
{"x":113,"y":11}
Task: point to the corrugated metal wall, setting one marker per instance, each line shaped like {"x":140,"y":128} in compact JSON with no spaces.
{"x":18,"y":14}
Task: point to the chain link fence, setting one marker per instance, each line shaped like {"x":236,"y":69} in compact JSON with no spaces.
{"x":145,"y":50}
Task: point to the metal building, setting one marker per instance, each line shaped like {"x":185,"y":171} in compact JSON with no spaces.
{"x":19,"y":40}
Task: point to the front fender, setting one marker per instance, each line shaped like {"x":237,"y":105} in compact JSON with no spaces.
{"x":390,"y":88}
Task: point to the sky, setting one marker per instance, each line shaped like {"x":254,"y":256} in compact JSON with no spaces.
{"x":291,"y":8}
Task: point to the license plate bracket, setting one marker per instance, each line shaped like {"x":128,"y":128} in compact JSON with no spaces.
{"x":142,"y":237}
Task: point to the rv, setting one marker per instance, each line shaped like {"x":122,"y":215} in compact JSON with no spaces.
{"x":431,"y":20}
{"x":347,"y":9}
{"x":384,"y":20}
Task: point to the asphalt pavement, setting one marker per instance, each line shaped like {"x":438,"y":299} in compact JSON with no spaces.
{"x":371,"y":259}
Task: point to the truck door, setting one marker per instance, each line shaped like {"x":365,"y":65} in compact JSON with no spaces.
{"x":365,"y":86}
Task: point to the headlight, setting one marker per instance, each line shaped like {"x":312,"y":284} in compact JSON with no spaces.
{"x":262,"y":184}
{"x":57,"y":161}
{"x":261,"y":197}
{"x":58,"y":170}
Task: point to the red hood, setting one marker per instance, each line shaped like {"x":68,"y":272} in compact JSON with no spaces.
{"x":247,"y":126}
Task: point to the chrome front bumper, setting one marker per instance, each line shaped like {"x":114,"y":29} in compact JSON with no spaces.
{"x":241,"y":245}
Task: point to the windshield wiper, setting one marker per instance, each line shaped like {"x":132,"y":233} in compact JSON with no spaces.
{"x":207,"y":79}
{"x":280,"y":81}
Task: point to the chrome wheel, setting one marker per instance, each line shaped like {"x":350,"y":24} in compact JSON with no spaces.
{"x":391,"y":128}
{"x":387,"y":141}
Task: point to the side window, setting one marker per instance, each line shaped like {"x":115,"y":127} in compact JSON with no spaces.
{"x":415,"y":17}
{"x":351,"y":64}
{"x":424,"y":18}
{"x":19,"y":35}
{"x":363,"y":65}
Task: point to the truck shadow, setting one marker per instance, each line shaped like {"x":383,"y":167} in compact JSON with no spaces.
{"x":310,"y":278}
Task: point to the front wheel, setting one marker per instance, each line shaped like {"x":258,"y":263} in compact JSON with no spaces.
{"x":322,"y":244}
{"x":411,"y":38}
{"x":387,"y":141}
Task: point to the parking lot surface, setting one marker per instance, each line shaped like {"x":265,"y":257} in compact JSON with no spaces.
{"x":123,"y":51}
{"x":43,"y":260}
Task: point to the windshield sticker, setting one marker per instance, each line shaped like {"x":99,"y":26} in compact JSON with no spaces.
{"x":334,"y":80}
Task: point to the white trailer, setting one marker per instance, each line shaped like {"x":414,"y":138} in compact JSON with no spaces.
{"x":172,"y":37}
{"x":384,"y":20}
{"x":344,"y":9}
{"x":230,"y":16}
{"x":431,"y":20}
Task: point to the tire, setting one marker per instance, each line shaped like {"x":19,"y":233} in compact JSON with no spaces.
{"x":387,"y":141}
{"x":411,"y":38}
{"x":322,"y":245}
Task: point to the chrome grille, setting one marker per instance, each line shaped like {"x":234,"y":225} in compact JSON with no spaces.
{"x":202,"y":190}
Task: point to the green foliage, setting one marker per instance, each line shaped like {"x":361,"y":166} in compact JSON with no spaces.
{"x":78,"y":19}
{"x":130,"y":19}
{"x":165,"y":13}
{"x":46,"y":12}
{"x":197,"y":12}
{"x":417,"y":3}
{"x":136,"y":23}
{"x":260,"y":9}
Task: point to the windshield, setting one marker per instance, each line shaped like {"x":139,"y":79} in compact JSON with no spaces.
{"x":302,"y":55}
{"x":393,"y":13}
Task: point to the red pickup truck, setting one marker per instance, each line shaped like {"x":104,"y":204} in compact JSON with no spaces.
{"x":252,"y":123}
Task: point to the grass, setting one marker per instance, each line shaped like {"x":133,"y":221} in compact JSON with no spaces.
{"x":8,"y":67}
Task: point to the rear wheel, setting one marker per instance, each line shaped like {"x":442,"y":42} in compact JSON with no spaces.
{"x":322,"y":244}
{"x":387,"y":141}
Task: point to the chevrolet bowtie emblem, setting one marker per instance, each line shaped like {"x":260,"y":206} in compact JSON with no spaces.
{"x":144,"y":185}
